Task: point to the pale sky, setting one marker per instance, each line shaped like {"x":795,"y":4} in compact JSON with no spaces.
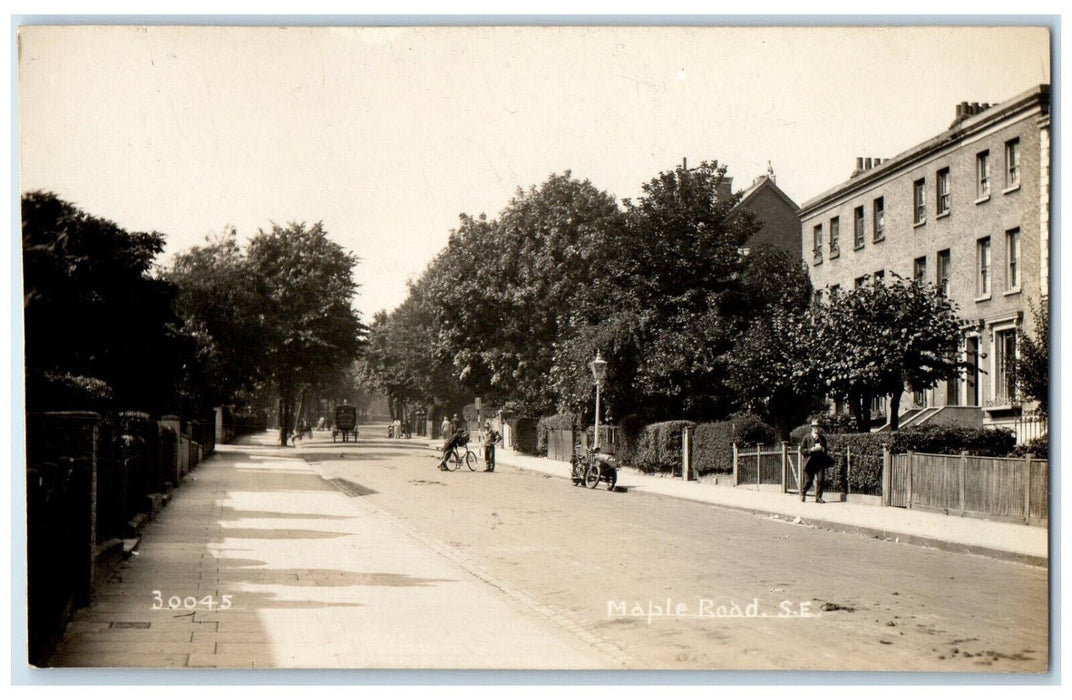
{"x":387,"y":135}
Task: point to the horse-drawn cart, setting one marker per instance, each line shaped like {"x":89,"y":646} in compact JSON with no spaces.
{"x":345,"y":423}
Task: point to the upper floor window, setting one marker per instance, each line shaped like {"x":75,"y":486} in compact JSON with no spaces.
{"x":858,"y":227}
{"x":943,"y":264}
{"x":878,"y":212}
{"x":817,"y":242}
{"x":919,"y":201}
{"x":982,"y":175}
{"x":1012,"y":164}
{"x":919,"y":270}
{"x":1012,"y":260}
{"x":944,"y":196}
{"x":982,"y":256}
{"x":879,"y":277}
{"x":835,"y":236}
{"x":859,"y":282}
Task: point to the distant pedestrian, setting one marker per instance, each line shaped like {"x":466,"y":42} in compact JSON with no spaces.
{"x":455,"y":424}
{"x":445,"y":428}
{"x":816,"y":459}
{"x":490,"y":438}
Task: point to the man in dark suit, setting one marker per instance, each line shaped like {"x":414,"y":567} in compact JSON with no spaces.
{"x":816,"y":459}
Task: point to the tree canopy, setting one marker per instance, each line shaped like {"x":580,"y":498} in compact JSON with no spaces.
{"x":93,"y":310}
{"x":280,"y":312}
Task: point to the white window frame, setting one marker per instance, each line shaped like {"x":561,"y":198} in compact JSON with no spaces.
{"x":878,"y":218}
{"x":997,"y":372}
{"x":1012,"y":164}
{"x":944,"y":195}
{"x":919,"y":202}
{"x":1013,"y":261}
{"x":983,"y":268}
{"x":982,"y":176}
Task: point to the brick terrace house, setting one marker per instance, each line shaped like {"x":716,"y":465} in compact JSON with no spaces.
{"x":968,"y":211}
{"x":775,"y":211}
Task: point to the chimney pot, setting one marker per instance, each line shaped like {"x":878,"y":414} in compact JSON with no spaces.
{"x":859,"y":163}
{"x":867,"y":163}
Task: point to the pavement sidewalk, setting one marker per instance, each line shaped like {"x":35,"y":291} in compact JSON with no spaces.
{"x":992,"y":538}
{"x":259,"y":562}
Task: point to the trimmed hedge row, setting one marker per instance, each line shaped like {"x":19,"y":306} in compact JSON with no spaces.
{"x":659,"y":449}
{"x":712,"y":447}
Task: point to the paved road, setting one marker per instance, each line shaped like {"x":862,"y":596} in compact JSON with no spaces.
{"x":608,"y":567}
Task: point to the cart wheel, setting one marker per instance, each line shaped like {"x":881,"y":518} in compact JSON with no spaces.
{"x":591,"y":477}
{"x":470,"y":460}
{"x":612,"y":479}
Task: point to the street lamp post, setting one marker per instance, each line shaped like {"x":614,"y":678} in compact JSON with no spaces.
{"x":599,"y":371}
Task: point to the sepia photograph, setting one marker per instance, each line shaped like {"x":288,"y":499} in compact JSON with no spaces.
{"x":512,"y":347}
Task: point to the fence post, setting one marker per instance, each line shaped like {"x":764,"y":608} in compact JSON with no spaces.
{"x":848,"y":471}
{"x":800,"y":471}
{"x":759,"y":465}
{"x":686,"y":453}
{"x":785,"y":466}
{"x":735,"y":475}
{"x":887,"y":477}
{"x":963,"y":475}
{"x":908,"y":478}
{"x":1027,"y":488}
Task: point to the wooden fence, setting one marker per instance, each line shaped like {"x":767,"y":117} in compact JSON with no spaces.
{"x":991,"y":487}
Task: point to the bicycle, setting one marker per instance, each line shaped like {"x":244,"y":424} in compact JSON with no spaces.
{"x":455,"y":458}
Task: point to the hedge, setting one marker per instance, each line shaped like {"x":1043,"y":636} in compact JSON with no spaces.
{"x":659,"y":449}
{"x":866,"y":448}
{"x":712,"y":443}
{"x":630,"y":431}
{"x":524,"y":435}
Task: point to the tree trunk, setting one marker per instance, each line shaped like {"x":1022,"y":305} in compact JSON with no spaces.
{"x":895,"y":410}
{"x":286,"y":414}
{"x":856,"y":404}
{"x":865,"y":411}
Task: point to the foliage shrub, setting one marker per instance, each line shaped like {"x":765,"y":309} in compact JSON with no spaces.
{"x":525,"y":435}
{"x":56,"y":391}
{"x":630,"y":430}
{"x":712,"y":443}
{"x":866,"y":448}
{"x":559,"y":421}
{"x":1039,"y":447}
{"x":659,"y":449}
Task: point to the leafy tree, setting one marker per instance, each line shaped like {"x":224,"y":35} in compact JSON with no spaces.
{"x":1033,"y":361}
{"x":880,"y":338}
{"x":93,"y":311}
{"x":310,"y":331}
{"x":774,"y":368}
{"x":280,"y":312}
{"x":504,"y":290}
{"x":223,"y":313}
{"x":682,"y":260}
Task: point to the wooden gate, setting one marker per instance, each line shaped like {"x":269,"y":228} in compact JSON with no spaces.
{"x":900,"y":486}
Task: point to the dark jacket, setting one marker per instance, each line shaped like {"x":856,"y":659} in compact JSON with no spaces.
{"x":815,"y":460}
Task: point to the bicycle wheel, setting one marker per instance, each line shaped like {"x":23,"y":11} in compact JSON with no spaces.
{"x":470,"y":460}
{"x":591,"y":476}
{"x":453,"y":461}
